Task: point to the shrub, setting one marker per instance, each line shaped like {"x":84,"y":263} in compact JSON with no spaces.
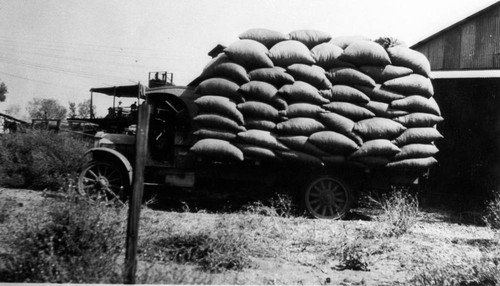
{"x":492,"y":212}
{"x":353,"y":256}
{"x":400,"y":212}
{"x":281,"y":205}
{"x":69,"y":240}
{"x":480,"y":271}
{"x":39,"y":159}
{"x":214,"y":250}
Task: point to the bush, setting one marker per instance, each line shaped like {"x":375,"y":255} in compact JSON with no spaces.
{"x":480,"y":271}
{"x":400,"y":212}
{"x":69,"y":240}
{"x":39,"y":159}
{"x":214,"y":251}
{"x":281,"y":205}
{"x":492,"y":213}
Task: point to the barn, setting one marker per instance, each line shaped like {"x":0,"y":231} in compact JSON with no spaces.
{"x":465,"y":59}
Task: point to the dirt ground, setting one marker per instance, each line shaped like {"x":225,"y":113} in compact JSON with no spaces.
{"x":301,"y":250}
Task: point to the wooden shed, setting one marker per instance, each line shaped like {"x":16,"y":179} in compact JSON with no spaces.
{"x":465,"y":59}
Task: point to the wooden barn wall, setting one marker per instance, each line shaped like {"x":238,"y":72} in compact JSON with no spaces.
{"x":474,"y":44}
{"x":469,"y":156}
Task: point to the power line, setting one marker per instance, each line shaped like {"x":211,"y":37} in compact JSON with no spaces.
{"x":39,"y":81}
{"x":56,"y":69}
{"x":120,"y":52}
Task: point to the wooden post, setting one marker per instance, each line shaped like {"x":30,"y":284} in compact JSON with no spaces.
{"x":141,"y":147}
{"x":91,"y":103}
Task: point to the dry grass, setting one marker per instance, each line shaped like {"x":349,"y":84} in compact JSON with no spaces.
{"x":263,"y":245}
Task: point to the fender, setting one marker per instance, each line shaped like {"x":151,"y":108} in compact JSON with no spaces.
{"x":107,"y":154}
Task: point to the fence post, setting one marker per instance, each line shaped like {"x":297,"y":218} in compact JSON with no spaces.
{"x":137,"y":191}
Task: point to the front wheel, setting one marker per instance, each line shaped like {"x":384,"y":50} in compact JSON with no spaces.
{"x":104,"y":181}
{"x":328,"y":198}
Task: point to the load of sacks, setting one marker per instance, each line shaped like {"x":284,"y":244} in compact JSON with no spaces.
{"x":308,"y":97}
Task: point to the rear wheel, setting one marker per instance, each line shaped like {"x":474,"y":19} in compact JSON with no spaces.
{"x":328,"y":198}
{"x":104,"y":181}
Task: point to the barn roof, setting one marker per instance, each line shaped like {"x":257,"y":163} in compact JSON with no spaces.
{"x":457,"y":24}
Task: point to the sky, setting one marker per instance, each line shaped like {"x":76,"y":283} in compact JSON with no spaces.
{"x":61,"y":49}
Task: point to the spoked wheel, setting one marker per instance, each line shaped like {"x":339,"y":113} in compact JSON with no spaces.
{"x":328,"y":198}
{"x":104,"y":181}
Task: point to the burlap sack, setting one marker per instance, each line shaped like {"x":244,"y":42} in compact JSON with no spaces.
{"x":336,"y":122}
{"x":411,"y":85}
{"x":406,"y":57}
{"x":380,"y":93}
{"x":302,"y":110}
{"x":314,"y":75}
{"x":372,"y":161}
{"x":249,"y":53}
{"x":301,"y":91}
{"x":299,"y":157}
{"x":217,"y":149}
{"x":382,"y":109}
{"x":382,"y":74}
{"x":290,"y":52}
{"x":259,"y":91}
{"x":362,"y":53}
{"x":376,"y":147}
{"x":349,"y":110}
{"x":215,"y":134}
{"x":333,"y":142}
{"x":257,"y":109}
{"x":221,"y":66}
{"x":310,"y":38}
{"x":414,"y":163}
{"x":346,"y":93}
{"x":419,"y":119}
{"x":220,"y":86}
{"x":219,"y":105}
{"x":417,"y":103}
{"x":326,"y":56}
{"x":416,"y":151}
{"x":264,"y":36}
{"x":299,"y":126}
{"x":378,"y":128}
{"x":261,"y":138}
{"x":423,"y":135}
{"x":345,"y":41}
{"x":261,"y":124}
{"x":275,"y":76}
{"x":218,"y":122}
{"x":301,"y":143}
{"x":256,"y":152}
{"x":349,"y":76}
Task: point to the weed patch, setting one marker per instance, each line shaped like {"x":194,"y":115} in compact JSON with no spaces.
{"x":214,"y":250}
{"x":400,"y":212}
{"x":492,"y":212}
{"x":70,"y":240}
{"x":39,"y":159}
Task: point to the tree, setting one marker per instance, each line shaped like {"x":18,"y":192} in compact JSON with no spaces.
{"x":13,"y":110}
{"x":41,"y":108}
{"x":84,"y":109}
{"x":3,"y":91}
{"x":72,"y":109}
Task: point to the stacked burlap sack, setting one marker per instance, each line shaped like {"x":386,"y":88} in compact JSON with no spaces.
{"x":308,"y":97}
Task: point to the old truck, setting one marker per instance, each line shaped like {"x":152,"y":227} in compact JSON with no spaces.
{"x":326,"y":192}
